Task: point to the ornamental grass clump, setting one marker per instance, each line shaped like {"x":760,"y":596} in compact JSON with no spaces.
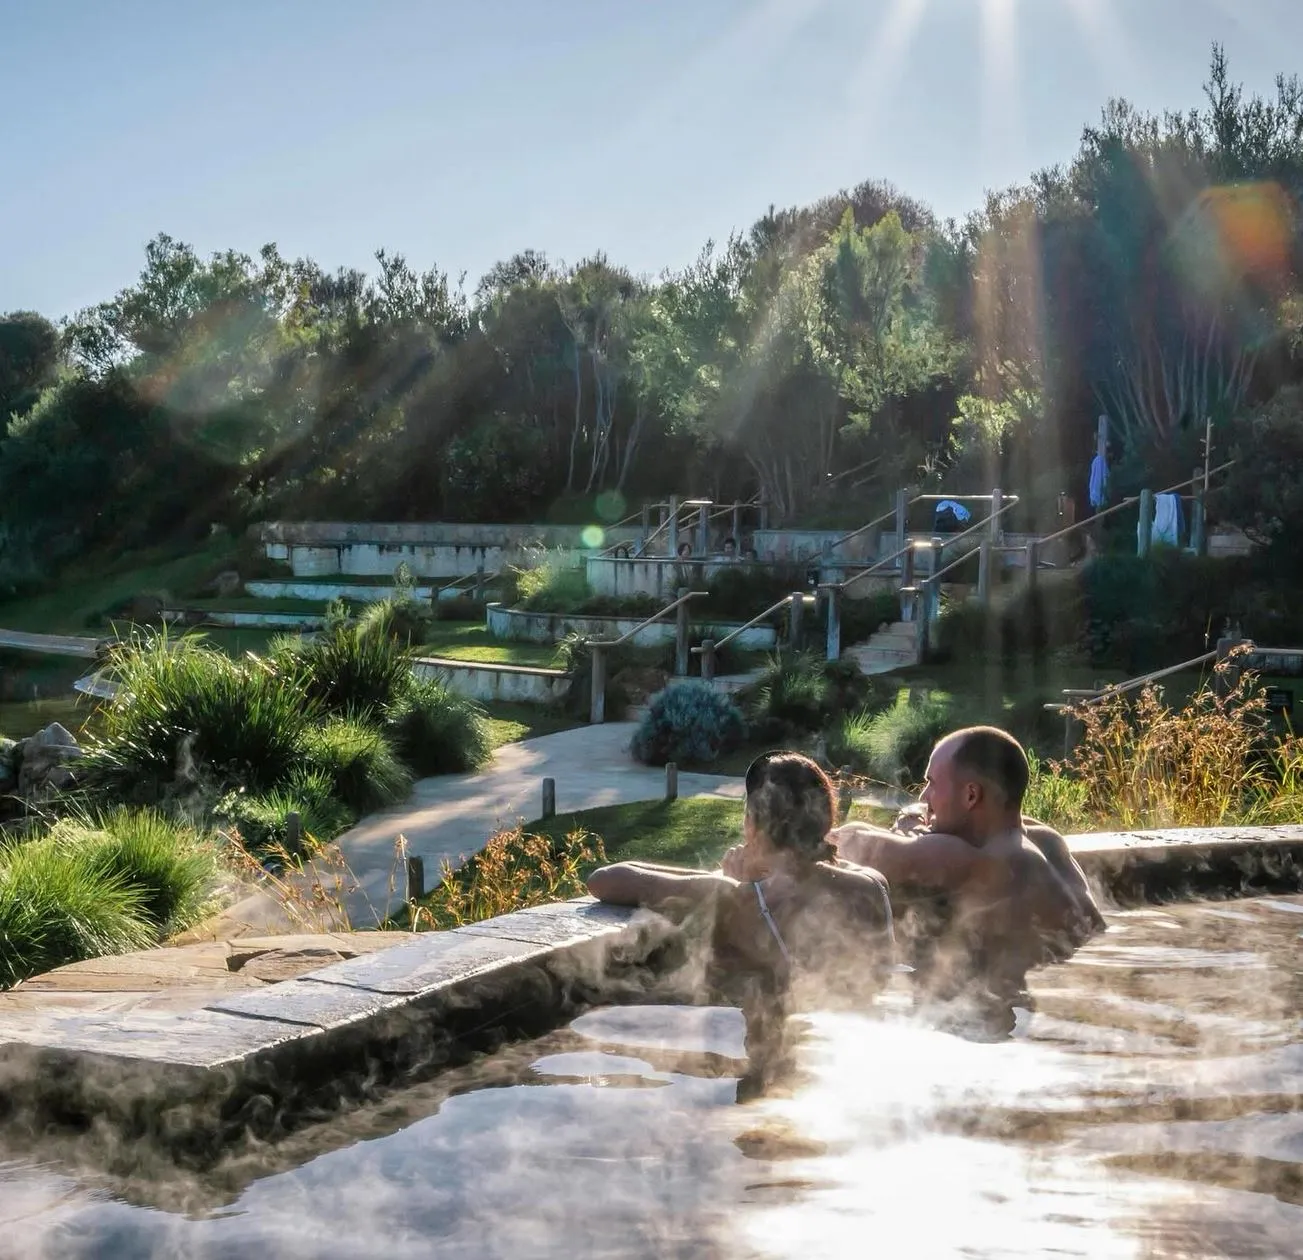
{"x":512,"y":872}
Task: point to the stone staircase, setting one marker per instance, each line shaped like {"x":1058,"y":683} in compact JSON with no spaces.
{"x":892,"y":648}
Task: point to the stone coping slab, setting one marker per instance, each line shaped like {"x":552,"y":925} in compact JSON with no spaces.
{"x":416,"y":1001}
{"x":408,"y":1004}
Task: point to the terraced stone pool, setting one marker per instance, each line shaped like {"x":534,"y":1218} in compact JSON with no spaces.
{"x":1151,"y":1107}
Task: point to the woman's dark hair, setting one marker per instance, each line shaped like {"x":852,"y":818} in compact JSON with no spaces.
{"x":793,"y":803}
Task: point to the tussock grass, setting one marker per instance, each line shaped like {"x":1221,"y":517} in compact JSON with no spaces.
{"x":99,"y":885}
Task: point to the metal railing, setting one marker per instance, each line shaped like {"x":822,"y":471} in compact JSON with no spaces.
{"x":794,"y":603}
{"x":600,"y":647}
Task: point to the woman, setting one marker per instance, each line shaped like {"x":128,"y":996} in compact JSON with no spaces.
{"x":784,"y":914}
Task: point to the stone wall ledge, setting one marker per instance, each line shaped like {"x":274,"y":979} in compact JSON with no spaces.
{"x":249,"y":1061}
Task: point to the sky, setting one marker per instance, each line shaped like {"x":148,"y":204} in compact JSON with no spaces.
{"x":458,"y":132}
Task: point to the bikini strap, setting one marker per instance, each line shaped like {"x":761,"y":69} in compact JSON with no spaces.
{"x":769,"y":919}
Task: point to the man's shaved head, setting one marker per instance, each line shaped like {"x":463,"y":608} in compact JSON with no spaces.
{"x":995,"y":758}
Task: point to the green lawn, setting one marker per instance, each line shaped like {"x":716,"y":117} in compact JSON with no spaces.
{"x":470,"y":641}
{"x":509,"y":723}
{"x":689,"y":832}
{"x":88,"y":589}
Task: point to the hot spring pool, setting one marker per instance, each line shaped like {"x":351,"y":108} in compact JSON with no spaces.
{"x":1151,"y":1108}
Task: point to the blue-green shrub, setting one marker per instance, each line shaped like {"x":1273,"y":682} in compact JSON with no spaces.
{"x":690,"y":723}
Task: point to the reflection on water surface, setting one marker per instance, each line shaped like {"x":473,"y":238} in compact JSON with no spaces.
{"x":1150,"y":1108}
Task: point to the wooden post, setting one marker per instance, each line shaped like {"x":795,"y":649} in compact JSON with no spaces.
{"x":645,"y":528}
{"x":938,"y":549}
{"x":737,"y":527}
{"x":681,"y":636}
{"x":703,"y":531}
{"x":597,"y":701}
{"x":671,"y":781}
{"x":708,"y":659}
{"x":415,"y":878}
{"x":902,"y":519}
{"x":672,"y":529}
{"x":795,"y":612}
{"x":997,"y":521}
{"x":834,"y":643}
{"x":907,"y":568}
{"x":293,"y":831}
{"x":984,"y":554}
{"x":1033,"y":563}
{"x":764,"y":514}
{"x":1198,"y":515}
{"x":1145,"y":530}
{"x":549,"y":799}
{"x":479,"y":581}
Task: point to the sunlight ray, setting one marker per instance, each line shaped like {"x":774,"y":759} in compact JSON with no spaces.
{"x":1107,"y":41}
{"x":882,"y":65}
{"x":749,"y":47}
{"x":1003,"y":130}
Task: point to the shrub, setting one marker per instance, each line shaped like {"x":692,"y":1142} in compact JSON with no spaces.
{"x":791,"y":694}
{"x":185,"y":710}
{"x":898,"y":741}
{"x":358,"y":669}
{"x":172,"y":867}
{"x":741,"y":591}
{"x":802,"y":693}
{"x":1054,"y":797}
{"x":690,"y":723}
{"x":405,"y":621}
{"x":261,"y":820}
{"x":1143,"y":764}
{"x":849,"y":742}
{"x":359,"y":762}
{"x":512,"y":872}
{"x":56,"y":908}
{"x":554,"y":585}
{"x":436,"y":731}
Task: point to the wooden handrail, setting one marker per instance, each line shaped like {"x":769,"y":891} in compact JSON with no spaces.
{"x":642,"y":625}
{"x":1118,"y":689}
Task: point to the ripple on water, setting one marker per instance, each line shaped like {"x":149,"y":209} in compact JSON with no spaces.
{"x":1149,"y":1109}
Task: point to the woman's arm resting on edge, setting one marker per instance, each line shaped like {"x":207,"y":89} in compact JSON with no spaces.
{"x":636,"y":884}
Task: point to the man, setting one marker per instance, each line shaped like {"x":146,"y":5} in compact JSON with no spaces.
{"x":1007,"y":892}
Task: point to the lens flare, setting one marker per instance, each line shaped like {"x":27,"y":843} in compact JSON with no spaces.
{"x":593,"y":536}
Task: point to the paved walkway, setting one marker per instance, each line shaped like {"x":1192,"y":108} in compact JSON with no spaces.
{"x":453,"y":815}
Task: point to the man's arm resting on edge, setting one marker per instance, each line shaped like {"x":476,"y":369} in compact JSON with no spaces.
{"x":930,"y":860}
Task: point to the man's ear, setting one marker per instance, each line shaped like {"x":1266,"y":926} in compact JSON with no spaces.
{"x":972,"y":794}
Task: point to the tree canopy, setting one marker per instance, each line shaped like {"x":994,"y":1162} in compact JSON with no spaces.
{"x":1152,"y":278}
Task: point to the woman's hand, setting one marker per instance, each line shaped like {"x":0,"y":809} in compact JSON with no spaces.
{"x":739,"y":864}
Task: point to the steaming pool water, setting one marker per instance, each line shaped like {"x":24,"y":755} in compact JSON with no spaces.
{"x":1150,"y":1108}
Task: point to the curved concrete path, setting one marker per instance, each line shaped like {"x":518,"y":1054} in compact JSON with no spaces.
{"x":452,"y":816}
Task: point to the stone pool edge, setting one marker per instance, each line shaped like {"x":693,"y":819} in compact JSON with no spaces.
{"x":409,"y":1007}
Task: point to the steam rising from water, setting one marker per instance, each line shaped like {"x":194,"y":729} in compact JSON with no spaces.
{"x":1150,"y":1108}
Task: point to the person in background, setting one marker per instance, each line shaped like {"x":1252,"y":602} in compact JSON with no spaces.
{"x":685,"y":551}
{"x":1001,"y":893}
{"x":749,"y":555}
{"x":730,"y":550}
{"x":783,"y":916}
{"x":951,"y":517}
